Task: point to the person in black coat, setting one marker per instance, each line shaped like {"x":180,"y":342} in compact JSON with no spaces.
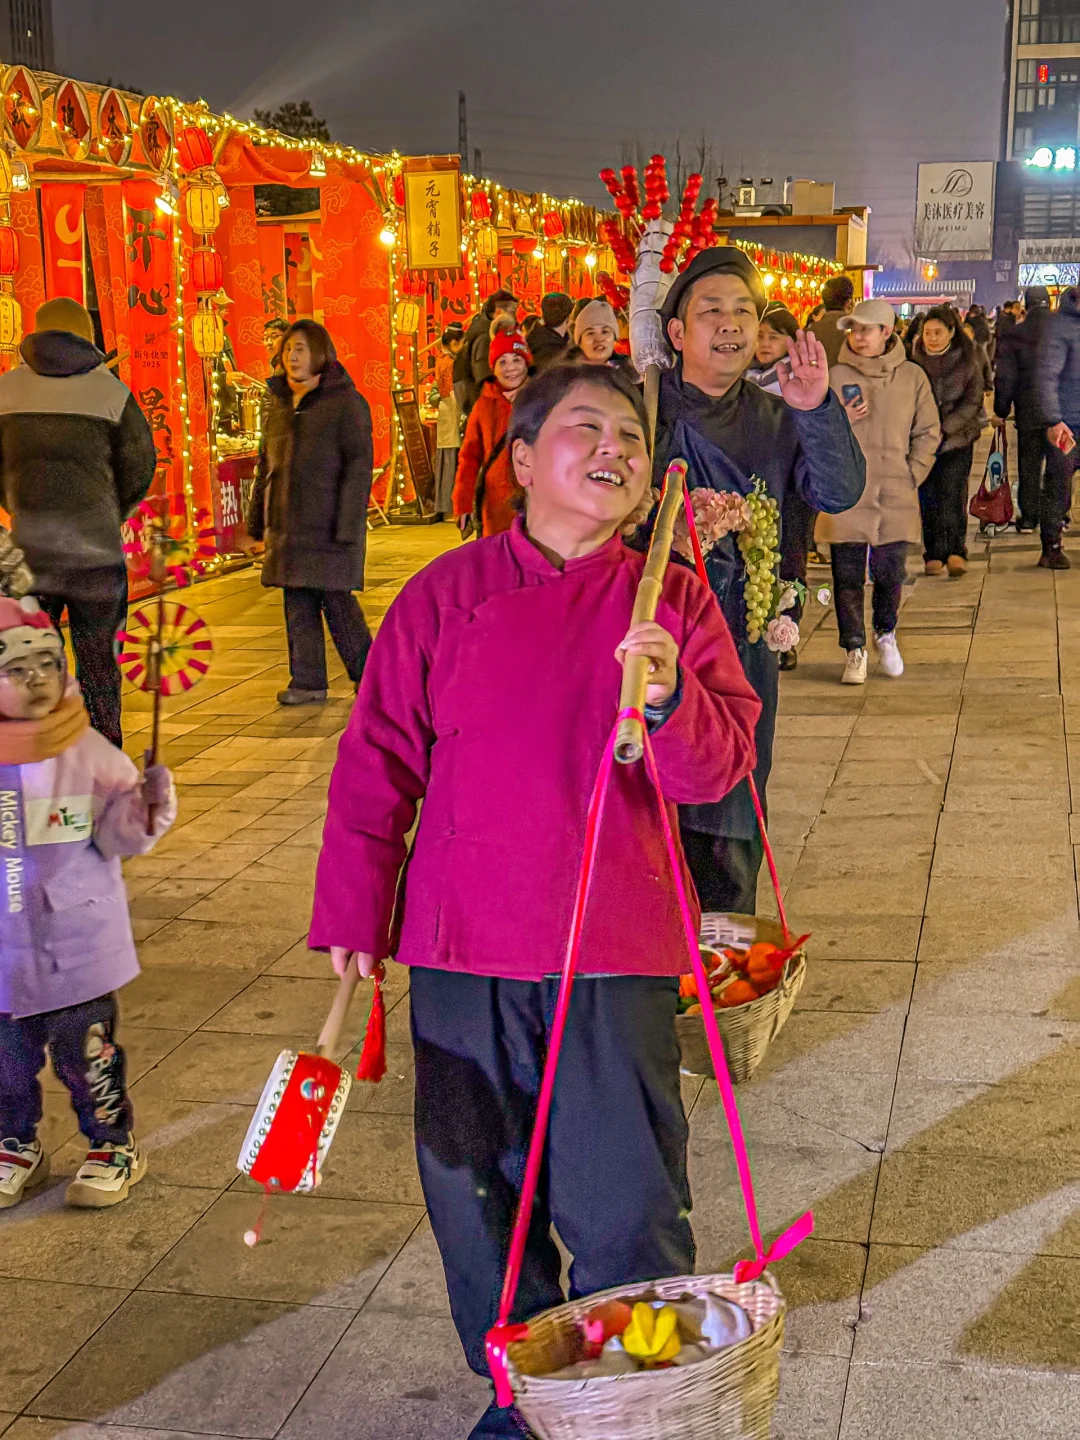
{"x":309,"y":504}
{"x":1058,"y":370}
{"x":1016,"y":388}
{"x":955,"y":374}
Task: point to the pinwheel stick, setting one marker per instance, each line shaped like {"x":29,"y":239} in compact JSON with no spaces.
{"x":154,"y":649}
{"x":630,"y":741}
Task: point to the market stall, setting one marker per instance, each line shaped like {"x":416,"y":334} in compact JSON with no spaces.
{"x":153,"y":213}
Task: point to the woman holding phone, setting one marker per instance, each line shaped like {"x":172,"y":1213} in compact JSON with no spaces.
{"x":891,"y":408}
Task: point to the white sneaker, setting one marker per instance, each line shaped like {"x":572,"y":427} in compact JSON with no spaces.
{"x":22,"y":1169}
{"x":855,"y":669}
{"x":889,"y":657}
{"x":106,"y":1176}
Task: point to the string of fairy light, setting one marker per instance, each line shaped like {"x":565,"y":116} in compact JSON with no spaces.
{"x":493,"y":218}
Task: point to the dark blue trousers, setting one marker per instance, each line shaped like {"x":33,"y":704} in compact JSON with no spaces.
{"x":86,"y":1058}
{"x":614,"y":1180}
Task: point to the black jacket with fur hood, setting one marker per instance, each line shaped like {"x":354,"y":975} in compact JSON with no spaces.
{"x":76,"y":457}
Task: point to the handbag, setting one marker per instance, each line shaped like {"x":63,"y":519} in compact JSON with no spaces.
{"x":992,"y":503}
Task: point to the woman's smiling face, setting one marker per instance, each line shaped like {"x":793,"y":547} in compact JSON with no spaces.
{"x":590,"y":460}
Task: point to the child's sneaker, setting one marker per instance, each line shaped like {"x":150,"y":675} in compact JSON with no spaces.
{"x":22,"y":1169}
{"x":106,"y":1176}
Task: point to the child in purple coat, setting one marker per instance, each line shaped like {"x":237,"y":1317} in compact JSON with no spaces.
{"x":71,"y":805}
{"x":489,"y":694}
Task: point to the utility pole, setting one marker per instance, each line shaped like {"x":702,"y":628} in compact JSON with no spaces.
{"x":462,"y":132}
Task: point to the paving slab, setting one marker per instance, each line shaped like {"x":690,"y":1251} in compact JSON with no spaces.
{"x":922,"y":1100}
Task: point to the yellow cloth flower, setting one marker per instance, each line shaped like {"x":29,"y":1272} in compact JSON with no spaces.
{"x":652,"y":1337}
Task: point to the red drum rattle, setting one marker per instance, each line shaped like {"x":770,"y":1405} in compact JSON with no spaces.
{"x":290,"y":1134}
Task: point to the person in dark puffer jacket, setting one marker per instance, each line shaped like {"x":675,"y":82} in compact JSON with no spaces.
{"x":948,"y":357}
{"x":310,"y":503}
{"x":1016,"y":389}
{"x":1058,"y":374}
{"x":76,"y":458}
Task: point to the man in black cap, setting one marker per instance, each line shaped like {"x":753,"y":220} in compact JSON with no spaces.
{"x":1016,"y":389}
{"x":731,"y":431}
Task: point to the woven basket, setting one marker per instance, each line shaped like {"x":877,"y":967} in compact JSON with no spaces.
{"x":746,"y":1030}
{"x":730,"y":1396}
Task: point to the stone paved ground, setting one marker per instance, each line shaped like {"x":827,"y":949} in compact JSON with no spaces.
{"x":924,"y":1099}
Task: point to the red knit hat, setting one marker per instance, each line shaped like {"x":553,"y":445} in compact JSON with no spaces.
{"x":509,"y":342}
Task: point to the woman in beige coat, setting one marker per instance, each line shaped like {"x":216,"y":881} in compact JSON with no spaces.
{"x":891,"y":408}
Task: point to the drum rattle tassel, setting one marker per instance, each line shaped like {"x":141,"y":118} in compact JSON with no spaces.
{"x":303,"y":1100}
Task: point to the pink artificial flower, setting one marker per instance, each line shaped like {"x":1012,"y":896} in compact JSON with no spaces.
{"x":716,"y":513}
{"x":782,"y":633}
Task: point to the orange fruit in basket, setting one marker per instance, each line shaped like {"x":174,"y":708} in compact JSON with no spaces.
{"x":693,"y":1009}
{"x":739,"y":992}
{"x":765,"y":972}
{"x":687,"y":987}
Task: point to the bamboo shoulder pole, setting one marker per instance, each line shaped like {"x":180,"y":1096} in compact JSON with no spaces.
{"x":629,"y":740}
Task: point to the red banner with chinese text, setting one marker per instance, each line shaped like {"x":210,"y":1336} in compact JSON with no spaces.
{"x":298,"y":288}
{"x":199,"y":377}
{"x":148,"y":256}
{"x":62,"y":231}
{"x":105,"y":235}
{"x":315,"y":245}
{"x":272,"y":269}
{"x":238,"y":241}
{"x":521,"y":273}
{"x":356,"y":305}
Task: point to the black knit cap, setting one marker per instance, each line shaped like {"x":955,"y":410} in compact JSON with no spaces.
{"x":727,"y":259}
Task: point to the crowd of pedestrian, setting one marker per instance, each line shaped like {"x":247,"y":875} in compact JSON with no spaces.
{"x":860,"y":428}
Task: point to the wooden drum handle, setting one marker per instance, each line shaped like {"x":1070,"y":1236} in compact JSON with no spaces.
{"x":328,"y":1035}
{"x":630,"y":741}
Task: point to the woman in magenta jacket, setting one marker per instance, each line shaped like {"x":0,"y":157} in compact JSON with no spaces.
{"x":490,"y":693}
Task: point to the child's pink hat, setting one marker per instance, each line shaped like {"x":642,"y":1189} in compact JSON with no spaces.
{"x":25,"y":629}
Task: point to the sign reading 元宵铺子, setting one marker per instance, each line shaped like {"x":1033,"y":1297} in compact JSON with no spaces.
{"x":954,"y":217}
{"x":433,"y":217}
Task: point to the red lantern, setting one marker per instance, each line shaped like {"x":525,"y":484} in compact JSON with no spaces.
{"x":553,"y":225}
{"x":193,"y":148}
{"x":481,"y":205}
{"x":207,"y":271}
{"x":9,"y":250}
{"x":399,"y":192}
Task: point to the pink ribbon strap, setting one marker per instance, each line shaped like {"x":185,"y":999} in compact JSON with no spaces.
{"x":503,"y":1333}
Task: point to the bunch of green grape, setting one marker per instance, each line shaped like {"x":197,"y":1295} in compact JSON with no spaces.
{"x":759,"y":544}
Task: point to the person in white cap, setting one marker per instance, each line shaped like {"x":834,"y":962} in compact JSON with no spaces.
{"x":892,"y":411}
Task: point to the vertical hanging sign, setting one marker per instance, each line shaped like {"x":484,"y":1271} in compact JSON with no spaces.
{"x":62,"y":231}
{"x":148,"y":256}
{"x":432,"y":216}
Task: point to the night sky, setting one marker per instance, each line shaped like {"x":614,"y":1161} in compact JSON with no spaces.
{"x":854,"y":90}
